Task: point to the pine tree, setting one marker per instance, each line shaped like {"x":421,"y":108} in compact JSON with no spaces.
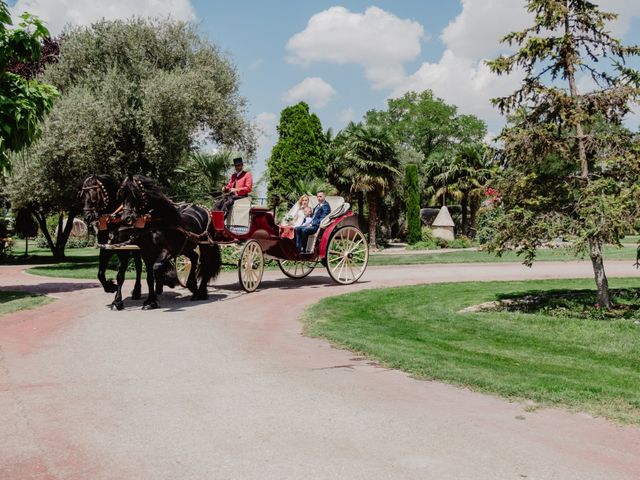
{"x":570,"y":168}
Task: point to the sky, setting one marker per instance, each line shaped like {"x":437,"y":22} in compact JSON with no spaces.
{"x":345,"y":58}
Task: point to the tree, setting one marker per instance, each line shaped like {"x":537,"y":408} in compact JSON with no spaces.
{"x":565,"y":175}
{"x":300,"y":151}
{"x":417,"y":120}
{"x":465,"y":179}
{"x":365,"y":160}
{"x":420,"y":122}
{"x":412,"y":200}
{"x":202,"y":174}
{"x":135,"y":96}
{"x":25,"y":101}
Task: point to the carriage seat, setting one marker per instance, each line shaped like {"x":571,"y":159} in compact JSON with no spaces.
{"x":239,"y":216}
{"x":338,"y":207}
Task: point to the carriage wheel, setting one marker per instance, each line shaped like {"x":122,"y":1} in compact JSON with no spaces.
{"x":183,"y":268}
{"x":293,"y":269}
{"x":347,"y":255}
{"x":250,"y":266}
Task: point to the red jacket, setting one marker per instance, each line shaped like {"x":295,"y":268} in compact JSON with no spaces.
{"x":242,"y":181}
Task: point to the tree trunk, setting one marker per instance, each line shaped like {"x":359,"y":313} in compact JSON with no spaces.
{"x":474,"y":207}
{"x":42,"y":221}
{"x":570,"y":60}
{"x":26,"y":246}
{"x":63,"y":236}
{"x":373,"y":219}
{"x":464,"y":204}
{"x":361,"y":209}
{"x":600,"y":276}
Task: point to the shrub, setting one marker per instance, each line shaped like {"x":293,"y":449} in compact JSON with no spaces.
{"x":427,"y":235}
{"x":460,"y":242}
{"x":412,"y":199}
{"x":422,"y":245}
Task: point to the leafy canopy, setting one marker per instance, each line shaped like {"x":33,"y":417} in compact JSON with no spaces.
{"x":23,"y":102}
{"x":300,"y":151}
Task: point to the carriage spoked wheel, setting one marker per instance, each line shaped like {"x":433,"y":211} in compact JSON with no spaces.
{"x":183,"y":268}
{"x":347,"y":255}
{"x":250,"y":266}
{"x":293,"y":269}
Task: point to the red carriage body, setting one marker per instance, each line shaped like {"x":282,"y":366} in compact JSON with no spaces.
{"x":339,"y":245}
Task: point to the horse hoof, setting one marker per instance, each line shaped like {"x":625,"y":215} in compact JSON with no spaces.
{"x":136,"y":295}
{"x":199,"y":296}
{"x":117,"y":306}
{"x":159,"y":290}
{"x":150,"y":306}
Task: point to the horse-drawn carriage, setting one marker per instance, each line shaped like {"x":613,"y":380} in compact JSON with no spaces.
{"x":339,"y":244}
{"x":188,"y":238}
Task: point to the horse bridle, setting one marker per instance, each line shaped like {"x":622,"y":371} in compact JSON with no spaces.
{"x":103,"y":196}
{"x":143,"y":195}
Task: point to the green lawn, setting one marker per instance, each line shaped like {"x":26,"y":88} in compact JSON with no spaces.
{"x":582,"y":364}
{"x":38,"y":256}
{"x":13,"y":301}
{"x":470,"y":256}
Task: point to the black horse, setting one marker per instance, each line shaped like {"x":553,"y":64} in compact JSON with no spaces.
{"x":172,"y":230}
{"x":98,"y":195}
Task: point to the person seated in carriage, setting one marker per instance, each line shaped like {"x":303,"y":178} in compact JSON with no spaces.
{"x":239,"y":186}
{"x":296,"y":214}
{"x":303,"y":231}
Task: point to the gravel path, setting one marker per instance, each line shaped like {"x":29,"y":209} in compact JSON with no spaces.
{"x":230,"y":389}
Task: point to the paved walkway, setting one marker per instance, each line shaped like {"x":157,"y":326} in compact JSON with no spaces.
{"x":230,"y":389}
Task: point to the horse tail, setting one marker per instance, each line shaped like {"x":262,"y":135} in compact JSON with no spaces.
{"x":216,"y":260}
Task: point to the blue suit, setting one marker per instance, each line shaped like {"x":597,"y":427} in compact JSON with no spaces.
{"x":302,"y":233}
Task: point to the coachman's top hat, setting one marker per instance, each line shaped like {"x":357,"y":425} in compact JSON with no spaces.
{"x":237,"y":161}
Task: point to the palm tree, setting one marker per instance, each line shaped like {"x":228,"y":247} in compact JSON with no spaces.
{"x":309,"y":186}
{"x":364,"y":160}
{"x":465,"y":179}
{"x":209,"y":168}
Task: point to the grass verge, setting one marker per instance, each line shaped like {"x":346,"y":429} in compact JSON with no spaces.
{"x":14,"y":301}
{"x":582,"y":364}
{"x":471,"y":256}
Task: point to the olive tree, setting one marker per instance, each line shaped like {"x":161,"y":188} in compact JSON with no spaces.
{"x":136,"y":96}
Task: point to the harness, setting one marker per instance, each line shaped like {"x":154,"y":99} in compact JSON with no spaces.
{"x":141,"y":222}
{"x":104,"y":194}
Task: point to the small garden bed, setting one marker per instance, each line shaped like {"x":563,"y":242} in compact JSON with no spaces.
{"x":569,"y":304}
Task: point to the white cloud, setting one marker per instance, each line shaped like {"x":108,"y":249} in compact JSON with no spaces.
{"x":477,"y":30}
{"x":58,"y":13}
{"x":461,"y":81}
{"x":461,"y":76}
{"x":266,"y":125}
{"x":312,"y":90}
{"x":377,"y":40}
{"x":347,"y":115}
{"x":625,"y":9}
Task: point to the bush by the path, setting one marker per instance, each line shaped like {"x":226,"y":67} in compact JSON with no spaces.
{"x":581,"y":363}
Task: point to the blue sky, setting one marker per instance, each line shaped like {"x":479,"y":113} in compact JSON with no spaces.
{"x":347,"y":57}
